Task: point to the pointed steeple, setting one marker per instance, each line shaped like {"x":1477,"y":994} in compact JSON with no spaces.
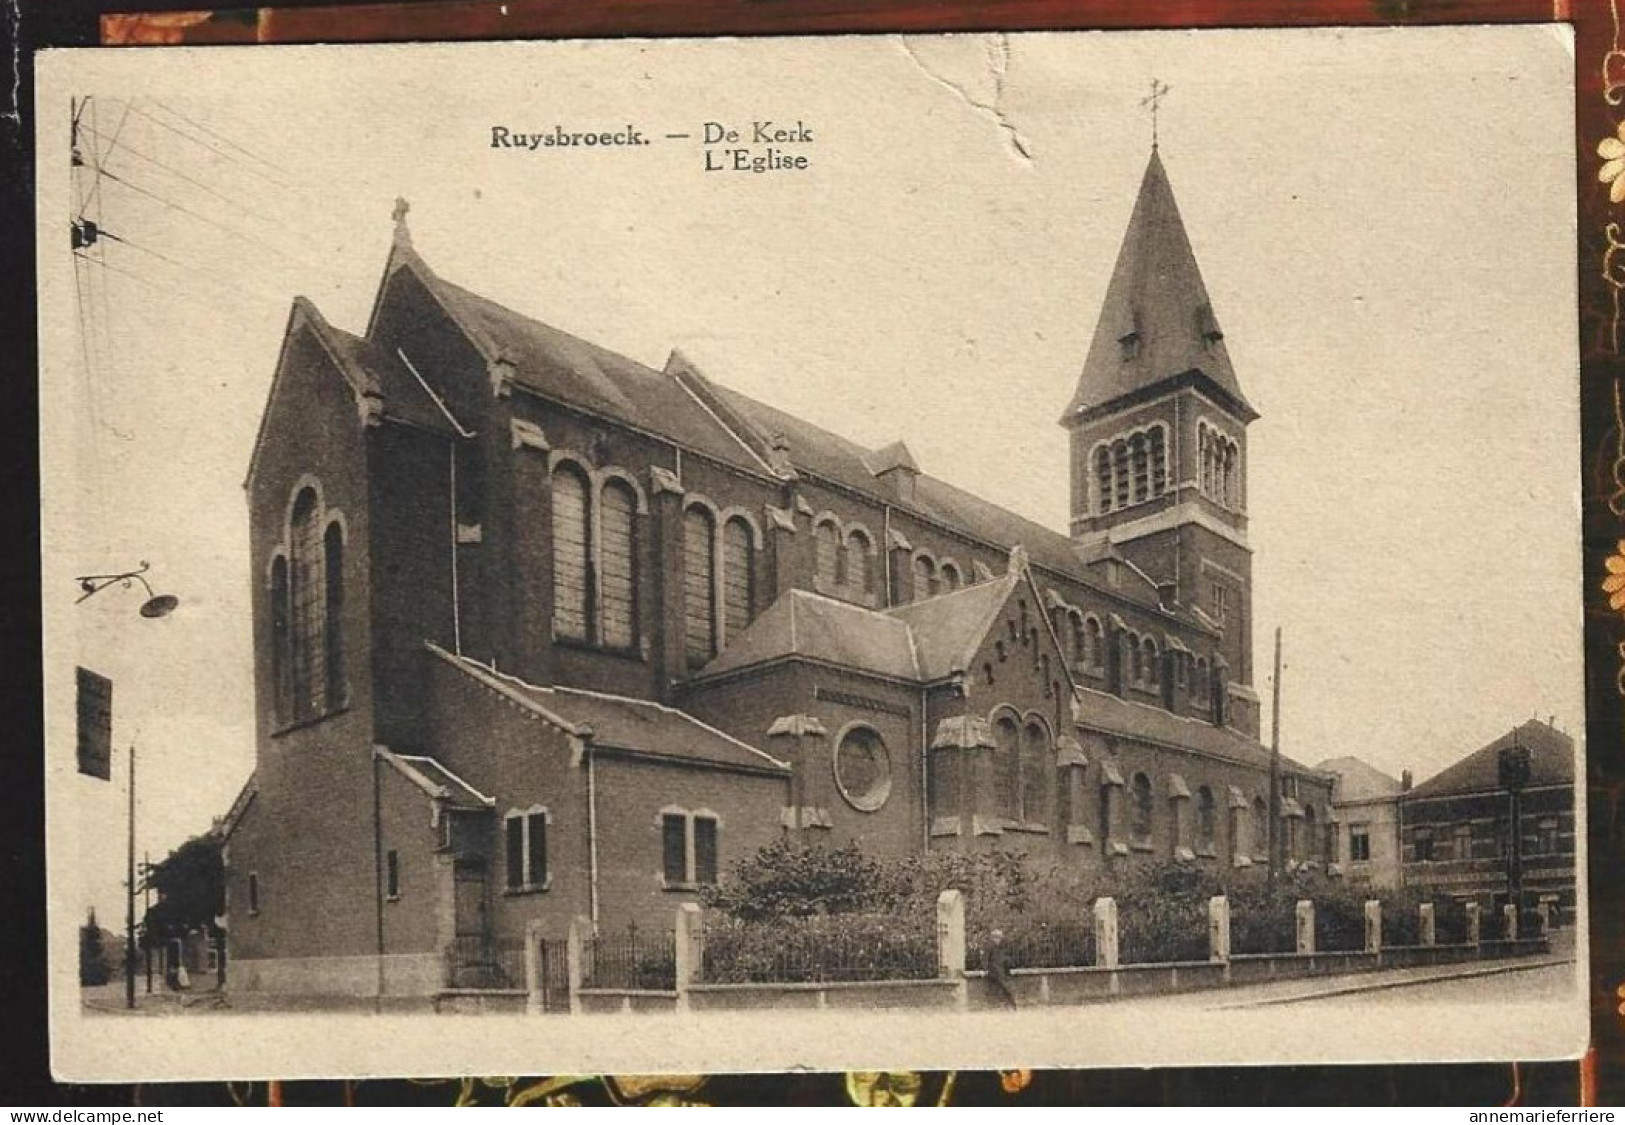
{"x":1157,"y":322}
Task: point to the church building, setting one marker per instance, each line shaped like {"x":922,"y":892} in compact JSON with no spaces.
{"x":543,"y":633}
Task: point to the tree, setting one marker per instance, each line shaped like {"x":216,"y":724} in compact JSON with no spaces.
{"x":190,"y":888}
{"x":93,"y":966}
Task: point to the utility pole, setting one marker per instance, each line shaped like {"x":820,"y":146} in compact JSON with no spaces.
{"x":1275,"y":768}
{"x":129,"y":897}
{"x":146,"y":916}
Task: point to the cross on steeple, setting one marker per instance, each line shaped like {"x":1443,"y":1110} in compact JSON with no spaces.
{"x":1153,"y":100}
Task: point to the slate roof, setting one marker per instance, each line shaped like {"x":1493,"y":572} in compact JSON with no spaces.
{"x":948,"y":628}
{"x":803,"y":623}
{"x":920,"y":642}
{"x":563,"y":367}
{"x":845,"y":462}
{"x":1156,"y":293}
{"x":1551,"y":762}
{"x":583,"y":374}
{"x":1358,"y":780}
{"x":405,"y":398}
{"x":616,"y":722}
{"x":1109,"y":714}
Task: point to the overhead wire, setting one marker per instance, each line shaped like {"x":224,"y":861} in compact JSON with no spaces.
{"x":195,"y":182}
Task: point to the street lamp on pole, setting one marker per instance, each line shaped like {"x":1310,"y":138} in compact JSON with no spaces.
{"x":156,"y":605}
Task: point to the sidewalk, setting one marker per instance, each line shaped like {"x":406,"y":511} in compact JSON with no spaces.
{"x":1320,"y":988}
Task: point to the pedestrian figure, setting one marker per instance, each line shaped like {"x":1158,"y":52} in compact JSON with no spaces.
{"x":997,"y":968}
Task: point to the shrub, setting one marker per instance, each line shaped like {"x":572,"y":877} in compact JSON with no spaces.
{"x":816,"y":948}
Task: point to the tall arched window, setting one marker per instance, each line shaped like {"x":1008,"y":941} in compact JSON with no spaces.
{"x":1007,"y":767}
{"x":617,"y":565}
{"x":699,"y":590}
{"x":827,"y":545}
{"x":857,"y":561}
{"x":1103,"y":479}
{"x":738,"y":577}
{"x":337,"y":688}
{"x":925,"y":577}
{"x":309,"y":598}
{"x":1139,"y":458}
{"x":1207,"y":821}
{"x":1261,"y":827}
{"x":281,"y":641}
{"x":1095,"y":643}
{"x":1152,"y":661}
{"x":950,"y":577}
{"x":1203,"y":686}
{"x":1136,"y":664}
{"x":1159,"y":461}
{"x":1037,"y":765}
{"x":1120,"y":474}
{"x":1077,"y":640}
{"x":1309,"y":842}
{"x":571,"y":566}
{"x":1140,"y":812}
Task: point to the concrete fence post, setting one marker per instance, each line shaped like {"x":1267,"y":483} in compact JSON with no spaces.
{"x":1475,"y":929}
{"x":1218,"y":929}
{"x":688,"y":950}
{"x":951,"y":943}
{"x":1305,"y":930}
{"x":575,"y":949}
{"x":533,"y":967}
{"x":1427,"y":927}
{"x":1373,"y":925}
{"x":951,"y":934}
{"x":1509,"y":916}
{"x":1106,"y":933}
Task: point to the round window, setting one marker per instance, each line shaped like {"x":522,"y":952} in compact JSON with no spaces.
{"x":863,"y":769}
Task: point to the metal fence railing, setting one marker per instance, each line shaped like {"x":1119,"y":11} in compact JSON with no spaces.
{"x":634,"y":959}
{"x":1048,"y":945}
{"x":482,"y":961}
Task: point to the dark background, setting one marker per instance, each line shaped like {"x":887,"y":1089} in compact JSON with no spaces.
{"x":25,"y":1076}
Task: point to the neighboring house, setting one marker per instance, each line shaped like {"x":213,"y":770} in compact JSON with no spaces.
{"x":1364,"y":830}
{"x":1456,"y":828}
{"x":542,"y":633}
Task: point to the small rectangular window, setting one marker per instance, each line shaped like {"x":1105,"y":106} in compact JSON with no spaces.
{"x":674,"y":848}
{"x":392,"y":874}
{"x":705,"y":850}
{"x":1423,"y":845}
{"x":253,"y":892}
{"x":1359,"y":843}
{"x":536,"y":850}
{"x":514,"y":851}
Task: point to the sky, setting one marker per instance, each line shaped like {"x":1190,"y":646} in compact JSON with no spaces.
{"x":1383,"y":219}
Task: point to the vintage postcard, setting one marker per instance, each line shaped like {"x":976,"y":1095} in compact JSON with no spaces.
{"x":892,"y":551}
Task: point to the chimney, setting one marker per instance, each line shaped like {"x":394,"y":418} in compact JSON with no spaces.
{"x":1404,"y":781}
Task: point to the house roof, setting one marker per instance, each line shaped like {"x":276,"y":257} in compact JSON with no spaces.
{"x":1358,"y":780}
{"x":1157,"y":299}
{"x":803,"y":623}
{"x":615,"y":722}
{"x":1551,"y":762}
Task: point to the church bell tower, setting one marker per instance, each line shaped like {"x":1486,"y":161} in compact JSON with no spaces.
{"x":1158,"y":428}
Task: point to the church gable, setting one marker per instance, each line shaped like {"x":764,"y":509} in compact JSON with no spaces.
{"x":1017,"y":664}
